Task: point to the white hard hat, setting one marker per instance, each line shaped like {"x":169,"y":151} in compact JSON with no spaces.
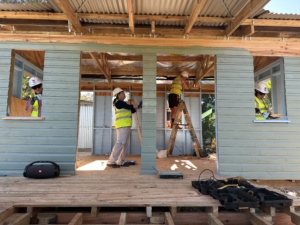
{"x":33,"y":81}
{"x":185,"y":74}
{"x":116,"y":91}
{"x":262,"y":87}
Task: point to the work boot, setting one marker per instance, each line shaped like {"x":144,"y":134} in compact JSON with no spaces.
{"x":176,"y":126}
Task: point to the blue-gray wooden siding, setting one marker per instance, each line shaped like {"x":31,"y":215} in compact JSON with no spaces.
{"x":255,"y":150}
{"x":252,"y":150}
{"x":55,"y":138}
{"x":148,"y":158}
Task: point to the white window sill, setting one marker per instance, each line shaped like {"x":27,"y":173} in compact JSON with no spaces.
{"x":271,"y":121}
{"x":22,"y":118}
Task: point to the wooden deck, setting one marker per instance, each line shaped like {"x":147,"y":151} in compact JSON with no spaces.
{"x":102,"y":195}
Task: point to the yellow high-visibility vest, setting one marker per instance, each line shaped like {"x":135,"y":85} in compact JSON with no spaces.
{"x":35,"y":107}
{"x":176,"y":87}
{"x":123,"y":118}
{"x":262,"y":106}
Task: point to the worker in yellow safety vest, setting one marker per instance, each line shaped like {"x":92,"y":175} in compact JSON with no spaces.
{"x":34,"y":103}
{"x":262,"y":110}
{"x":123,"y":123}
{"x":174,"y":95}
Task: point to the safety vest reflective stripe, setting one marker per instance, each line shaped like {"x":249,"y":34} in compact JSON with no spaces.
{"x":123,"y":118}
{"x":176,"y":86}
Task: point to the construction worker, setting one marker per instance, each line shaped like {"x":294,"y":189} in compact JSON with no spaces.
{"x":34,"y":103}
{"x":262,"y":110}
{"x":176,"y":88}
{"x":123,"y":113}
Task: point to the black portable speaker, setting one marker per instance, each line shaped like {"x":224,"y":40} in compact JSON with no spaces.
{"x":41,"y":169}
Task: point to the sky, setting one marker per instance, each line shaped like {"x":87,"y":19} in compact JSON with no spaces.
{"x":284,"y":6}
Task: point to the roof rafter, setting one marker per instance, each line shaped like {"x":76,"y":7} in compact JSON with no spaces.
{"x":207,"y":64}
{"x":130,"y":16}
{"x":198,"y":6}
{"x":248,"y":11}
{"x":103,"y":65}
{"x":75,"y":24}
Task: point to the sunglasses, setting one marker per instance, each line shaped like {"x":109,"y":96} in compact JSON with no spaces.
{"x":36,"y":86}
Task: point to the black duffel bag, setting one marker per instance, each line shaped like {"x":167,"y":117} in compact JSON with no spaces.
{"x":41,"y":169}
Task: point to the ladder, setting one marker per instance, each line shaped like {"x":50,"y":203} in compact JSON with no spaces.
{"x":197,"y":147}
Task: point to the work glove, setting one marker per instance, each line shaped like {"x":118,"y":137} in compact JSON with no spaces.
{"x":257,"y":110}
{"x":266,"y":115}
{"x":33,"y":99}
{"x":140,"y":105}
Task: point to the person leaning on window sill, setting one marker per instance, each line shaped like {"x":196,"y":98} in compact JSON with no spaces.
{"x":34,"y":103}
{"x":262,"y":107}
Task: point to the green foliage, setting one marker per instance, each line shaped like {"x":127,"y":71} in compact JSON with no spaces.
{"x":87,"y":96}
{"x":208,"y":123}
{"x":26,"y":90}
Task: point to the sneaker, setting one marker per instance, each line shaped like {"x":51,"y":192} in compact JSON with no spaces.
{"x":113,"y":165}
{"x":176,"y":126}
{"x":126,"y":164}
{"x":131,"y":162}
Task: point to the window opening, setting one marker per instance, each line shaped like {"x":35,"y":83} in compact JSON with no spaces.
{"x":273,"y":77}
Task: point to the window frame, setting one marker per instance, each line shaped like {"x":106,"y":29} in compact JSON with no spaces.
{"x":278,"y":91}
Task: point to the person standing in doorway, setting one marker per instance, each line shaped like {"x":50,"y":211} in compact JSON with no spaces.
{"x":34,"y":103}
{"x":123,"y":123}
{"x":177,"y":86}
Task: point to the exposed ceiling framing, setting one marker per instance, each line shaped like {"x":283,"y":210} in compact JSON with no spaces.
{"x":117,"y":21}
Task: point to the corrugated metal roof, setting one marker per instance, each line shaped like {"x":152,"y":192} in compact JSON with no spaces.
{"x":276,"y":16}
{"x":213,"y":8}
{"x":48,"y":6}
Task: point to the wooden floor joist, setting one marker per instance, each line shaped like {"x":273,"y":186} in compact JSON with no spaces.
{"x":258,"y":220}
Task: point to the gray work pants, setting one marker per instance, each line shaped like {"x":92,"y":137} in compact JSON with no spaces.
{"x":118,"y":152}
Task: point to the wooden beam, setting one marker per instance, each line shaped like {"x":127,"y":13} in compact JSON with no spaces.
{"x":160,"y":58}
{"x":122,"y":220}
{"x":25,"y":22}
{"x":198,"y":6}
{"x":75,"y":24}
{"x":249,"y":10}
{"x":19,"y":219}
{"x":295,"y":217}
{"x":248,"y":30}
{"x":102,"y":66}
{"x":76,"y":220}
{"x":204,"y":73}
{"x":6,"y":213}
{"x":272,"y":23}
{"x":168,"y":219}
{"x":33,"y":15}
{"x":214,"y":220}
{"x":256,"y":46}
{"x":130,"y":16}
{"x":258,"y":220}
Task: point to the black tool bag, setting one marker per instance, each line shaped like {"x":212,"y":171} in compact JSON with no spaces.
{"x":41,"y":169}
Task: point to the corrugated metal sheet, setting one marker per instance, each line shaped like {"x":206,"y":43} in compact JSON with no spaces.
{"x":213,"y":8}
{"x":48,"y":6}
{"x":85,"y":132}
{"x":276,"y":16}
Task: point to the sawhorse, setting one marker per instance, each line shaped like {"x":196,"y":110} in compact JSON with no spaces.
{"x":197,"y":146}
